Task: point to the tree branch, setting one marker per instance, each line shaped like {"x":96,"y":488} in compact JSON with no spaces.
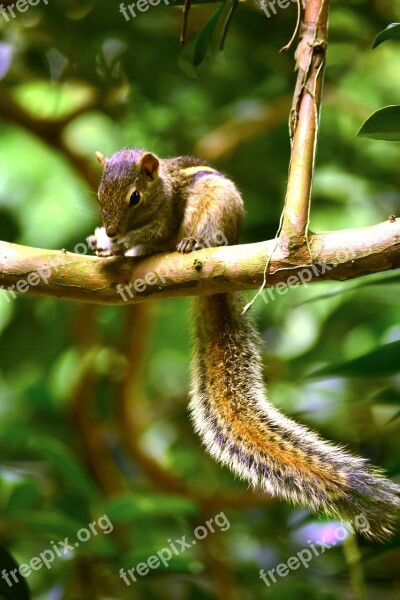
{"x":310,"y":62}
{"x":338,"y":255}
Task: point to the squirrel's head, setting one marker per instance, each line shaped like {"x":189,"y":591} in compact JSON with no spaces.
{"x":127,"y":191}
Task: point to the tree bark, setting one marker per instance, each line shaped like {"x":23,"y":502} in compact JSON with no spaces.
{"x":337,"y":255}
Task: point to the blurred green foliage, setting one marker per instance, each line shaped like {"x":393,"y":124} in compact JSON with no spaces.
{"x":77,"y":77}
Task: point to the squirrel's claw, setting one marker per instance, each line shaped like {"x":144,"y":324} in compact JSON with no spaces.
{"x":188,"y":244}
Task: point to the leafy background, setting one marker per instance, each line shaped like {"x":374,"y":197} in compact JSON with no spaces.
{"x":93,"y":398}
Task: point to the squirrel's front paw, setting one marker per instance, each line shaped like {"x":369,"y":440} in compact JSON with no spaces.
{"x":188,"y":244}
{"x":100,"y":242}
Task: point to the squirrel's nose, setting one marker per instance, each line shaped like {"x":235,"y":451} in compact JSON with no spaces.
{"x":111,"y":231}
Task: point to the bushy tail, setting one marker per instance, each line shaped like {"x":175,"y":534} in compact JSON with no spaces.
{"x":256,"y":441}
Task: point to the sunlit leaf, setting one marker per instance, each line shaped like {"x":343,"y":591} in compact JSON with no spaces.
{"x":384,"y":124}
{"x":392,"y":32}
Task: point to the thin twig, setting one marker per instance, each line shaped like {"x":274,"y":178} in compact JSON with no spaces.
{"x":290,"y":42}
{"x":185,"y":18}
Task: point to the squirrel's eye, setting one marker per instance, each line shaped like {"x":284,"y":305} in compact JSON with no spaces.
{"x":134,"y":198}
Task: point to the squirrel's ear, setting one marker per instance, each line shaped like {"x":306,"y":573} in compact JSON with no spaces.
{"x":102,"y":159}
{"x":149,"y":163}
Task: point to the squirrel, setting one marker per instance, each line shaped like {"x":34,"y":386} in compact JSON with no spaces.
{"x":148,"y":205}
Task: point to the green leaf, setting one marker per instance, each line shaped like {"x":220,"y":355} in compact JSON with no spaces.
{"x":382,"y":280}
{"x":129,"y":507}
{"x":392,"y":32}
{"x":100,"y":546}
{"x":394,"y":418}
{"x":380,"y":362}
{"x":227,"y":23}
{"x":64,"y":462}
{"x":23,"y":496}
{"x":384,"y":124}
{"x":389,"y":395}
{"x":15,"y":591}
{"x":48,"y":524}
{"x":205,"y":35}
{"x":179,"y":563}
